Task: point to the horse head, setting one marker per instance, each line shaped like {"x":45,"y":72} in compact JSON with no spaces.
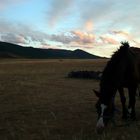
{"x":104,"y":111}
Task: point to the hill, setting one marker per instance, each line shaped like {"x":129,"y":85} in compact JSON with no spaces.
{"x":9,"y":50}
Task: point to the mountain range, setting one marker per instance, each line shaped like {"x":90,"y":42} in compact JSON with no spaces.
{"x":9,"y":50}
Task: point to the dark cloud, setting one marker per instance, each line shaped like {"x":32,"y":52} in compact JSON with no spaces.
{"x":13,"y":38}
{"x":63,"y":38}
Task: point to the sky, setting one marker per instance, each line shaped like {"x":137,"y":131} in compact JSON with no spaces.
{"x":96,"y":26}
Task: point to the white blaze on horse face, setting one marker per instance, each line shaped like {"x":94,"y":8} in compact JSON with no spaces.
{"x":100,"y":123}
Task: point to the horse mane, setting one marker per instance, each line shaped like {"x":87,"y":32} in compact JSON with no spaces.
{"x":115,"y":66}
{"x":120,"y":52}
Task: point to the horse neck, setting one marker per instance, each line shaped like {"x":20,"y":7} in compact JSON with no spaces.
{"x":107,"y":95}
{"x":112,"y":79}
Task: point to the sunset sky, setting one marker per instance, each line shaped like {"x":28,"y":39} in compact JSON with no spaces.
{"x":96,"y":26}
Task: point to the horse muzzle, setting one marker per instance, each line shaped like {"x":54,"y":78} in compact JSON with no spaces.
{"x":100,"y":126}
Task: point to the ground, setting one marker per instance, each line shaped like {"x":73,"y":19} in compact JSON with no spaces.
{"x":39,"y":102}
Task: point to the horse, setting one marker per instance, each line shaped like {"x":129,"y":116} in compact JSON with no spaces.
{"x":122,"y":69}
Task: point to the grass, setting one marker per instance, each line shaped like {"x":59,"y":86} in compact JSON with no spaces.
{"x":39,"y":102}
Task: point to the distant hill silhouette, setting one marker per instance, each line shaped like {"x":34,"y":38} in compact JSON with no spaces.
{"x":9,"y":50}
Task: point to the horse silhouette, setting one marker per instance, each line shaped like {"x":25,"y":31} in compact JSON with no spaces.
{"x":123,"y":70}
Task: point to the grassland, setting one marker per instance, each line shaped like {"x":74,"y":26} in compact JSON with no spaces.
{"x":39,"y":102}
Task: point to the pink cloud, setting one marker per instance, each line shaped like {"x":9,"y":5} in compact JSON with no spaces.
{"x":74,"y":38}
{"x":108,"y":40}
{"x":83,"y":37}
{"x":89,"y":25}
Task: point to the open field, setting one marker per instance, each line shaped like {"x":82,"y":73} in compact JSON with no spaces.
{"x":38,"y":102}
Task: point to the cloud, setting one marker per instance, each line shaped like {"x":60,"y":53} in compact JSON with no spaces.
{"x":64,"y":38}
{"x":19,"y":32}
{"x":83,"y":37}
{"x":89,"y":25}
{"x":59,"y":9}
{"x":108,"y":40}
{"x":13,"y":38}
{"x":74,"y":37}
{"x":105,"y":14}
{"x":93,"y":10}
{"x":122,"y":35}
{"x":6,"y":3}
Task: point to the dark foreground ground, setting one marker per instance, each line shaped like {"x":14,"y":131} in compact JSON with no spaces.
{"x":38,"y":102}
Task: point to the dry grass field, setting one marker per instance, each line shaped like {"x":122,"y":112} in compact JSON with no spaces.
{"x":39,"y":102}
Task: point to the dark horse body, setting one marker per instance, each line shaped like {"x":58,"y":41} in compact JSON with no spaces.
{"x":123,"y":70}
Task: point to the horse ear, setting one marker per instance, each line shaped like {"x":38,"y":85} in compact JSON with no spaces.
{"x":97,"y":93}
